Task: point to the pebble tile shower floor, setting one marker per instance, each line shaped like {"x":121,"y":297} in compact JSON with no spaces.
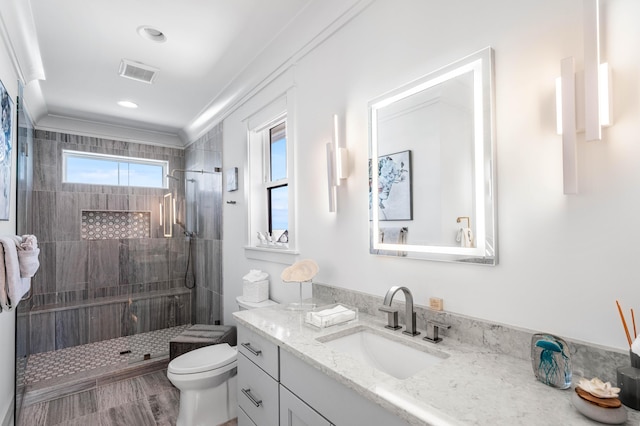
{"x":65,"y":362}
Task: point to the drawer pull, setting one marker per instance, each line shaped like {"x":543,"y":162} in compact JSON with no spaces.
{"x":248,"y":347}
{"x":247,"y":393}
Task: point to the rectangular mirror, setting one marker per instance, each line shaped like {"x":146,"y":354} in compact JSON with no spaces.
{"x":434,"y":145}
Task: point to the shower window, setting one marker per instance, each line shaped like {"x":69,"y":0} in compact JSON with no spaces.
{"x":103,"y":169}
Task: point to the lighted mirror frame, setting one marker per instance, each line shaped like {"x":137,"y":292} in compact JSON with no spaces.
{"x":484,"y":182}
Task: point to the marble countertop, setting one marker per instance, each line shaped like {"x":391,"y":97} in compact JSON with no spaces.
{"x":472,"y":386}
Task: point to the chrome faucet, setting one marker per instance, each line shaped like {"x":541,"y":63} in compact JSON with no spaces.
{"x":410,"y":315}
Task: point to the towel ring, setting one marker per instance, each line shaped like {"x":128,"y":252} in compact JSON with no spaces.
{"x":461,"y":218}
{"x":29,"y":296}
{"x":30,"y":292}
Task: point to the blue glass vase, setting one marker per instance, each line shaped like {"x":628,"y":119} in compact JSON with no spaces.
{"x":551,"y":360}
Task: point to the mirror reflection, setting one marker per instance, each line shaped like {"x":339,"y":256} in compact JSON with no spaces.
{"x":433,"y":142}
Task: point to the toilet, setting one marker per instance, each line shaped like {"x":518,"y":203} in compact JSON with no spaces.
{"x":206,"y":378}
{"x":244,"y":305}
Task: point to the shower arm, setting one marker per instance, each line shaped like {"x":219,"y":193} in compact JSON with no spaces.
{"x":215,"y":170}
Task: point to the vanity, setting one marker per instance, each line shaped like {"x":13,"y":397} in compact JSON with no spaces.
{"x":292,"y":374}
{"x":276,"y":387}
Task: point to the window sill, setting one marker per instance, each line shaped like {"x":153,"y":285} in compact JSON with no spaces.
{"x":285,"y":256}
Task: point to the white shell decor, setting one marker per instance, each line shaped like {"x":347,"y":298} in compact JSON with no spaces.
{"x":598,"y":388}
{"x":301,"y":271}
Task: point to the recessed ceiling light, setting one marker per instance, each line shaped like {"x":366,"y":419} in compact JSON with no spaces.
{"x":152,"y":34}
{"x":128,"y":104}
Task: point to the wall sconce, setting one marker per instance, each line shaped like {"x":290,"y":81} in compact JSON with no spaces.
{"x":175,"y":214}
{"x":597,"y":97}
{"x":337,"y":165}
{"x":166,"y":221}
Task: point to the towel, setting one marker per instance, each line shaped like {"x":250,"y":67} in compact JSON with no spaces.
{"x":465,"y":237}
{"x":392,"y":235}
{"x":28,"y":252}
{"x":329,"y":317}
{"x":29,"y":242}
{"x":13,"y":285}
{"x":28,"y":262}
{"x":255,"y":275}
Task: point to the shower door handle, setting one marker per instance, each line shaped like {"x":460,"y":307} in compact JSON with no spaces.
{"x":254,"y":401}
{"x":248,"y":347}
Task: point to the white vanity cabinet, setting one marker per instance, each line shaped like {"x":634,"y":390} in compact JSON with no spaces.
{"x":294,"y":412}
{"x":301,"y":394}
{"x":244,"y":420}
{"x":258,"y":376}
{"x":341,"y":405}
{"x":260,"y":351}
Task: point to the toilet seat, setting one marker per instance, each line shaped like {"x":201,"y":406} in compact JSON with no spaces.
{"x":215,"y":357}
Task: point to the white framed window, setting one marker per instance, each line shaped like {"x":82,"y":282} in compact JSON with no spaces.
{"x":271,"y":178}
{"x":115,"y":170}
{"x":276,"y":185}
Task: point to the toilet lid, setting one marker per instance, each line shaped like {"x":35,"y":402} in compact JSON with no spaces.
{"x":204,"y":359}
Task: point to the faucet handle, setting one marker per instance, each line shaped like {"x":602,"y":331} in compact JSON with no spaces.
{"x":432,"y":331}
{"x":392,"y":317}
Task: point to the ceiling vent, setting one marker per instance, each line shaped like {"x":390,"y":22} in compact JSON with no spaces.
{"x":137,"y":71}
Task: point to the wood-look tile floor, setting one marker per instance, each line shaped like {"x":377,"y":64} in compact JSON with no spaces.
{"x":150,"y":400}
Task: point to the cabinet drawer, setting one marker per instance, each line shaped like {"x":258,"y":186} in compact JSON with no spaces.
{"x":294,"y":412}
{"x":257,"y":393}
{"x":243,"y":419}
{"x":259,"y":350}
{"x":341,"y":405}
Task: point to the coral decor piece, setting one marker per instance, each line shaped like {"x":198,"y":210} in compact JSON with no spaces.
{"x":301,"y":271}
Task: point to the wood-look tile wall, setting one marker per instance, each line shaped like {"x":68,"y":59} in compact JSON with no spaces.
{"x":78,"y":277}
{"x":206,"y":153}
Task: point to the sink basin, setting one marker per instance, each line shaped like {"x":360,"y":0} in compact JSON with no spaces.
{"x":383,"y":353}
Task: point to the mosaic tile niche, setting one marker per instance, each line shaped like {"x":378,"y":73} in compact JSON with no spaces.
{"x":108,"y":225}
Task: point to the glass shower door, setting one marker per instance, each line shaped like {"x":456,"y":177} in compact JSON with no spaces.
{"x":159,"y":305}
{"x":23,"y":226}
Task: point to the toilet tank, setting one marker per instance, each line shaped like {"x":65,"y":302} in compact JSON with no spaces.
{"x":244,"y":305}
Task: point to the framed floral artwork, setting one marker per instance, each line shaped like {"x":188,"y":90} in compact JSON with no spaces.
{"x":5,"y":152}
{"x":231,"y":176}
{"x":394,"y":198}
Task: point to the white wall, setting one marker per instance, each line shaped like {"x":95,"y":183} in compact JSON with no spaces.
{"x":7,"y":319}
{"x":564,"y":260}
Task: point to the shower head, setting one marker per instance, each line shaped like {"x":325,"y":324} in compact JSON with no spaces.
{"x":173,"y":177}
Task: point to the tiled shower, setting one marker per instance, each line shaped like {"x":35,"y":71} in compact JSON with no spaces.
{"x":107,"y":270}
